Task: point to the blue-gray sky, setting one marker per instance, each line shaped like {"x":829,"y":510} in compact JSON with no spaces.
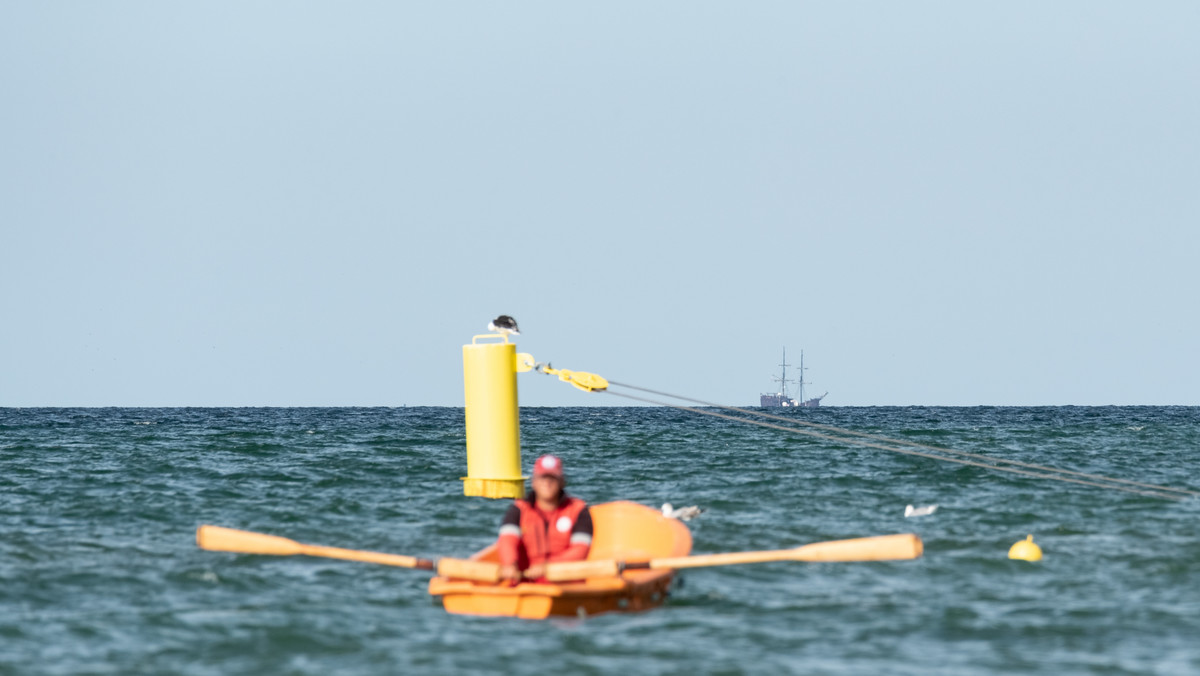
{"x":278,"y":203}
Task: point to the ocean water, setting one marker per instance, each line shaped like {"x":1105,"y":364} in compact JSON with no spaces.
{"x":99,"y":572}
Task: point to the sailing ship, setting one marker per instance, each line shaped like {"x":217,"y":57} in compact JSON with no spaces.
{"x":781,"y":399}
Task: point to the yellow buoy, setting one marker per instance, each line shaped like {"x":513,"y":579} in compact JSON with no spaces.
{"x":493,"y":432}
{"x":1025,"y":550}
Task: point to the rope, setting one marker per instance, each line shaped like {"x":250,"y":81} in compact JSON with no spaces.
{"x":830,"y":433}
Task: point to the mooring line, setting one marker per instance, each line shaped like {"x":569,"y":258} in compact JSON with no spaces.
{"x":988,"y":462}
{"x":840,"y":430}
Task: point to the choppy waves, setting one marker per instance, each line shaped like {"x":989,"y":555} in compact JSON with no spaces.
{"x":99,"y":572}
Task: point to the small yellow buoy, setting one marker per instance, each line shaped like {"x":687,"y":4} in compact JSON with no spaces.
{"x":1025,"y":550}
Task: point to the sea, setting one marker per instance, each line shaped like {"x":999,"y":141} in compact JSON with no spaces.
{"x":100,"y":572}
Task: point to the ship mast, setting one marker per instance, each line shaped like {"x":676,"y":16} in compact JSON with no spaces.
{"x":801,"y":397}
{"x":783,"y":381}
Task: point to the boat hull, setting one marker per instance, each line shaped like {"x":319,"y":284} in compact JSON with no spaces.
{"x":624,"y":531}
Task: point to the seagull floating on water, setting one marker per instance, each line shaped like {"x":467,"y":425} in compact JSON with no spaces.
{"x":504,"y":324}
{"x":919,"y":511}
{"x":683,"y":513}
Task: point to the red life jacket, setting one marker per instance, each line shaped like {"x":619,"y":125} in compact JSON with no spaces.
{"x":545,"y":537}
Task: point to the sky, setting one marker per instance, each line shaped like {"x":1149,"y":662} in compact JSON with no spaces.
{"x":319,"y":204}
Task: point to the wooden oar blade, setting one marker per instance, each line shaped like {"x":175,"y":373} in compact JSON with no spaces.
{"x":219,"y":539}
{"x":879,"y":548}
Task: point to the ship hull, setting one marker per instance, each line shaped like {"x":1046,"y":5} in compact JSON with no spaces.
{"x":779,"y":401}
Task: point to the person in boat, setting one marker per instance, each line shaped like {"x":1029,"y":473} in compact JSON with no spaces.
{"x":545,"y":526}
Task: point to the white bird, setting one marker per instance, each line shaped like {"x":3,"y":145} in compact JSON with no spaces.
{"x":683,"y":513}
{"x":504,"y":324}
{"x":919,"y":511}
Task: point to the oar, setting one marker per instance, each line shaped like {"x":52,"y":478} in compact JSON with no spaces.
{"x":880,"y":548}
{"x":218,"y":539}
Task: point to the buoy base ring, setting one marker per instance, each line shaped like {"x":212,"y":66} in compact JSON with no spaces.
{"x":494,"y":488}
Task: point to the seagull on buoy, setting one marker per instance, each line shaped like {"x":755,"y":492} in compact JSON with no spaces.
{"x":683,"y":513}
{"x":919,"y":511}
{"x":504,"y":324}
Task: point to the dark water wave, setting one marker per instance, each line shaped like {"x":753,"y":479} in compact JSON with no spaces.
{"x":99,"y":572}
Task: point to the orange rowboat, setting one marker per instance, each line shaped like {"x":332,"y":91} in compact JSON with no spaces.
{"x":623,"y":531}
{"x":635,"y":552}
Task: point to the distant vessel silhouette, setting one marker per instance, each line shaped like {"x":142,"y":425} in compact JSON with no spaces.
{"x":781,"y":399}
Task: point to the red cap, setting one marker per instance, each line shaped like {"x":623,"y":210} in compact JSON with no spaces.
{"x":548,"y":464}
